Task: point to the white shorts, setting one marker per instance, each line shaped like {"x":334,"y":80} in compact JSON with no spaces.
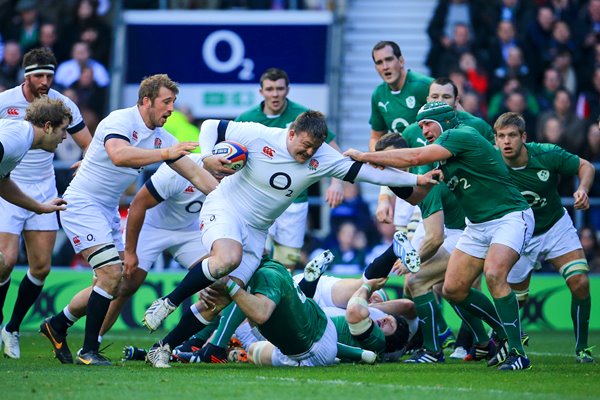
{"x":16,"y":219}
{"x":451,"y":237}
{"x":322,"y":295}
{"x":374,"y":313}
{"x":513,"y":230}
{"x":218,"y":222}
{"x":88,"y":224}
{"x":289,"y":228}
{"x":403,"y":211}
{"x":321,"y":353}
{"x":185,"y":246}
{"x":559,"y":240}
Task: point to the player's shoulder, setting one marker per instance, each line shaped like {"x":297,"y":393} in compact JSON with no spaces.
{"x":250,"y":114}
{"x":12,"y":97}
{"x":544,"y":150}
{"x":418,"y":78}
{"x":381,"y":90}
{"x":295,"y":108}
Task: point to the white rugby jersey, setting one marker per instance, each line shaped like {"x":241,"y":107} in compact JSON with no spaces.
{"x":98,"y":178}
{"x":16,"y":138}
{"x":37,"y":164}
{"x":180,"y":201}
{"x":272,"y":178}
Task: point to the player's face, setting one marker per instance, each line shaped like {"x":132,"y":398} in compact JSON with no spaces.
{"x":431,"y":130}
{"x":161,"y":108}
{"x":302,"y":146}
{"x":275,"y":93}
{"x":443,"y":93}
{"x":39,"y":84}
{"x":510,"y":141}
{"x":388,"y":325}
{"x":389,"y":67}
{"x":54,"y":136}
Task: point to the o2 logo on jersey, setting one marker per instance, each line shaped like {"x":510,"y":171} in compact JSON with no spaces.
{"x":534,"y":200}
{"x":281,"y":181}
{"x":236,"y":58}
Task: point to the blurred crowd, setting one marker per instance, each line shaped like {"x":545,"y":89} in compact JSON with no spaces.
{"x":540,"y":58}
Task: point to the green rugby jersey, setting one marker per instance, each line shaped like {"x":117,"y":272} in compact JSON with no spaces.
{"x":374,"y":342}
{"x":283,"y":120}
{"x":297,"y":322}
{"x":440,"y":198}
{"x":478,"y":176}
{"x":538,"y":180}
{"x":394,"y":111}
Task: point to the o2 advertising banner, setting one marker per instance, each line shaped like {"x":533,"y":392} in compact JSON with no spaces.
{"x":217,"y":57}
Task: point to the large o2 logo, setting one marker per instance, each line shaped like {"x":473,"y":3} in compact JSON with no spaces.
{"x":236,"y":59}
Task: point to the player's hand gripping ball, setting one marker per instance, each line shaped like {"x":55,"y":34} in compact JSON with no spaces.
{"x":234,"y":152}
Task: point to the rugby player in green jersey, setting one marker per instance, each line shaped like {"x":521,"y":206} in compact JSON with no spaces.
{"x":498,"y":225}
{"x":394,"y":105}
{"x":278,"y":111}
{"x":535,"y":169}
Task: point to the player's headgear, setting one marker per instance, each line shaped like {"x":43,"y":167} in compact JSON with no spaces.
{"x":398,"y":339}
{"x":439,"y":112}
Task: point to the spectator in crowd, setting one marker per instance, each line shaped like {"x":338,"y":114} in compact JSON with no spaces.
{"x":354,"y":209}
{"x":25,"y":27}
{"x":591,"y":149}
{"x":69,"y":71}
{"x":49,"y":40}
{"x":563,"y":63}
{"x":495,"y":107}
{"x":514,"y":67}
{"x":500,"y":45}
{"x":587,"y":66}
{"x":545,"y":96}
{"x":460,"y":44}
{"x":589,"y":242}
{"x":589,"y":27}
{"x":562,"y":39}
{"x":10,"y":66}
{"x":90,"y":96}
{"x":588,"y":104}
{"x":571,"y":125}
{"x":386,"y":231}
{"x":88,"y":27}
{"x":539,"y":38}
{"x":349,"y":250}
{"x":447,"y":14}
{"x":471,"y":103}
{"x":476,"y":75}
{"x":517,"y":12}
{"x":516,"y":101}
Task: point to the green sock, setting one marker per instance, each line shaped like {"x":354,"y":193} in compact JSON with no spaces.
{"x":231,"y":318}
{"x":580,"y":314}
{"x":349,"y":353}
{"x":426,"y":307}
{"x":481,"y":307}
{"x":472,"y":323}
{"x":208,"y":330}
{"x":508,"y":310}
{"x":439,"y":317}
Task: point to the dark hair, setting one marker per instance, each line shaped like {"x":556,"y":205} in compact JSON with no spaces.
{"x":311,"y":122}
{"x":274,"y":74}
{"x":384,"y":43}
{"x":399,"y":338}
{"x":41,"y":56}
{"x":391,"y":139}
{"x":443,"y":81}
{"x":510,"y":119}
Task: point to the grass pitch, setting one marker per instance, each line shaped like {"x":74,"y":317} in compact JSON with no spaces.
{"x":555,"y":375}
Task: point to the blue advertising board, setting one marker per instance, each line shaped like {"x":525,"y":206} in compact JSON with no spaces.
{"x":217,"y":57}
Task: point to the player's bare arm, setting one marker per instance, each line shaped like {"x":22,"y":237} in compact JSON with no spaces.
{"x":198,"y":176}
{"x":434,"y":235}
{"x":257,"y":307}
{"x":10,"y":192}
{"x":82,"y":138}
{"x":122,"y":154}
{"x":586,"y":173}
{"x":402,"y":158}
{"x":375,"y":136}
{"x":142,"y":202}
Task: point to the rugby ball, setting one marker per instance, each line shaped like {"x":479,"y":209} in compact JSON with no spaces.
{"x":234,"y":152}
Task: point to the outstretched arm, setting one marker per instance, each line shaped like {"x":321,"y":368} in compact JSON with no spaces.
{"x":402,"y":158}
{"x":10,"y":192}
{"x":586,"y":175}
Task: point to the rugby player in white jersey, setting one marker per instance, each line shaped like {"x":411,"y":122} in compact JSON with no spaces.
{"x":34,"y":176}
{"x":125,"y":142}
{"x":236,"y":217}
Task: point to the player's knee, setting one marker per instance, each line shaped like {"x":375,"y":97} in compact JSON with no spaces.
{"x":579,"y":285}
{"x":495,"y":277}
{"x":453,"y":292}
{"x":224,"y":263}
{"x":255,"y":352}
{"x":40,"y":271}
{"x":7,"y":263}
{"x":415,"y":286}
